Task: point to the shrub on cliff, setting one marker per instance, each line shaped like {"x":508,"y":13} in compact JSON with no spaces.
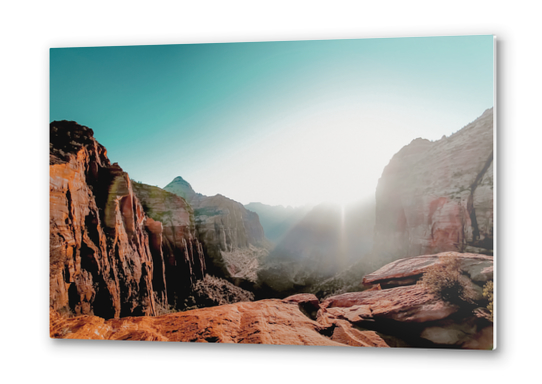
{"x":445,"y":280}
{"x":488,"y":293}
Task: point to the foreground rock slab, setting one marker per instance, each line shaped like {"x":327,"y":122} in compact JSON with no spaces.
{"x":408,"y":304}
{"x":409,"y":270}
{"x":262,"y":322}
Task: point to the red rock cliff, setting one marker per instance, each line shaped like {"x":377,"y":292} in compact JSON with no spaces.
{"x":438,"y":196}
{"x":232,"y":236}
{"x":172,"y":220}
{"x":100,"y":260}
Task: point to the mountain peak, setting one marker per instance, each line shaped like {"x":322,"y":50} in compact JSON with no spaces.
{"x":179,"y":179}
{"x":181,"y":187}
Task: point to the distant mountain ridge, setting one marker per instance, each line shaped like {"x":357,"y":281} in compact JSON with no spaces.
{"x":232,"y":236}
{"x":277,"y":220}
{"x":327,"y":240}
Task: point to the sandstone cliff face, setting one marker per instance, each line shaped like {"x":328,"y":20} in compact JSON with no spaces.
{"x":121,"y":248}
{"x":178,"y":247}
{"x":438,"y":196}
{"x":232,"y":237}
{"x":100,"y":260}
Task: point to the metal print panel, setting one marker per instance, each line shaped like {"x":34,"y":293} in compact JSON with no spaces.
{"x":329,"y":193}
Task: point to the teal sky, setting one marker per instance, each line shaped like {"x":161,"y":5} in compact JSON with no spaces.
{"x":276,"y":122}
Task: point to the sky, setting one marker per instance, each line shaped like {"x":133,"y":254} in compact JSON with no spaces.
{"x":282,"y":123}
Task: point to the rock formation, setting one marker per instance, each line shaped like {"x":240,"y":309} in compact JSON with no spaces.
{"x":100,"y":260}
{"x":404,"y":315}
{"x":121,"y":248}
{"x":409,"y":315}
{"x":182,"y":253}
{"x":263,"y":322}
{"x":232,"y":237}
{"x":479,"y":269}
{"x":438,"y":196}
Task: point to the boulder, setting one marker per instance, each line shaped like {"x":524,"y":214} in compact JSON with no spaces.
{"x":345,"y":333}
{"x":405,"y":304}
{"x":303,"y":298}
{"x":471,"y":333}
{"x":409,"y":270}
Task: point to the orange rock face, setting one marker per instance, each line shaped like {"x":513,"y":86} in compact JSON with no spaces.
{"x":117,"y":248}
{"x":171,"y":218}
{"x":100,"y":261}
{"x":261,"y":322}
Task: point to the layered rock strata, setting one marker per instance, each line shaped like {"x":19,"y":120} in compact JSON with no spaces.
{"x":171,"y":219}
{"x":438,"y":196}
{"x":121,"y":248}
{"x":100,"y":260}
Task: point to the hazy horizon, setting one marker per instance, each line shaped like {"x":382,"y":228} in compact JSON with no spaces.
{"x":281,"y":123}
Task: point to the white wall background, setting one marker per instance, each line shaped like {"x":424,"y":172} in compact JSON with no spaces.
{"x":29,"y":28}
